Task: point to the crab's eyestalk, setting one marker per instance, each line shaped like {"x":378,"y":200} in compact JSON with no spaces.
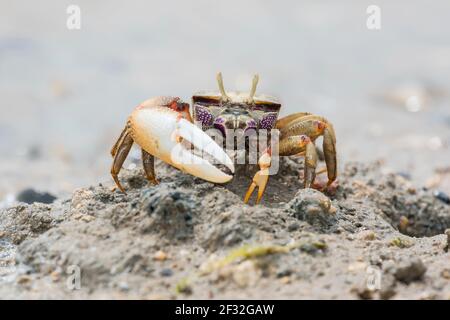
{"x":253,"y":89}
{"x":225,"y":98}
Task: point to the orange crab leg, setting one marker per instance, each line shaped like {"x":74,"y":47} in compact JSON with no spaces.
{"x":314,"y":126}
{"x":283,"y":122}
{"x":329,"y":151}
{"x":120,"y":155}
{"x":148,"y":163}
{"x":294,"y":145}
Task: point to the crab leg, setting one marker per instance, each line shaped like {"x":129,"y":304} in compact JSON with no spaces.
{"x":283,"y":122}
{"x":121,"y":152}
{"x":329,"y":151}
{"x":314,"y":126}
{"x":294,"y":145}
{"x":310,"y":164}
{"x":288,"y":146}
{"x":162,"y":132}
{"x":148,"y":162}
{"x":119,"y":141}
{"x":310,"y":125}
{"x":291,"y":145}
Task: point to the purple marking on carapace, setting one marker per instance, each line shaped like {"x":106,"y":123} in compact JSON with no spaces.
{"x":268,"y":121}
{"x":251,"y":124}
{"x":203,"y":115}
{"x":219,"y":124}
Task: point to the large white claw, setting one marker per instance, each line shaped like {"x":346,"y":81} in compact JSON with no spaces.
{"x":158,"y":131}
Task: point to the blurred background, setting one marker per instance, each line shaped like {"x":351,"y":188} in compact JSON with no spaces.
{"x":66,"y":94}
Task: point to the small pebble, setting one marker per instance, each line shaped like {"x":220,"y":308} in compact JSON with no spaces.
{"x":285,"y":280}
{"x":24,"y":279}
{"x":401,"y":242}
{"x":55,"y":275}
{"x":284,"y":273}
{"x":368,"y":235}
{"x":332,"y":210}
{"x":446,"y":274}
{"x":313,"y":206}
{"x":160,"y":256}
{"x":293,"y":226}
{"x":410,"y":270}
{"x":166,"y":272}
{"x":441,"y":196}
{"x":87,"y":218}
{"x":404,"y":222}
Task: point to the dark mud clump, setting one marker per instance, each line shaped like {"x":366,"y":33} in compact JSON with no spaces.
{"x":378,"y":236}
{"x":31,"y":196}
{"x":170,"y":212}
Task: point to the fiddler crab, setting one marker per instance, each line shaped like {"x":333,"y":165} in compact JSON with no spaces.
{"x":164,"y":128}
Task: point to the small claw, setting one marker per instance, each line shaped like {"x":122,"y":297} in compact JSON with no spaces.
{"x":261,"y":177}
{"x":259,"y":180}
{"x":161,"y":133}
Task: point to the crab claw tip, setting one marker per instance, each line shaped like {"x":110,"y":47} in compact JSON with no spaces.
{"x":196,"y":165}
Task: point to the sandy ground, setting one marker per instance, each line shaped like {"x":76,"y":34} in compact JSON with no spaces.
{"x":378,"y":237}
{"x":66,"y":95}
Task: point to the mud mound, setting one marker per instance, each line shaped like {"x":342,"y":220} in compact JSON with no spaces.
{"x":413,"y":211}
{"x":377,"y":237}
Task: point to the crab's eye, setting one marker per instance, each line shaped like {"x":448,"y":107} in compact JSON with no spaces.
{"x":178,"y":106}
{"x":173,"y":105}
